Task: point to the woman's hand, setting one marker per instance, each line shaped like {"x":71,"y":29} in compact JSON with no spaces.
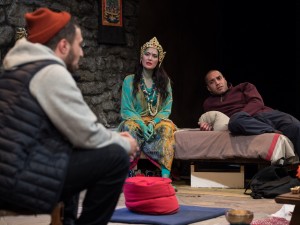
{"x":147,"y":132}
{"x":150,"y":130}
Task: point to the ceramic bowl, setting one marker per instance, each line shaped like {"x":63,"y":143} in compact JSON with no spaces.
{"x":239,"y":216}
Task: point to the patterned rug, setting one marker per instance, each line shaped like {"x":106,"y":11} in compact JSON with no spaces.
{"x":271,"y":221}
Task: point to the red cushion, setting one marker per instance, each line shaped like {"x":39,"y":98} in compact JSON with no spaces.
{"x":150,"y":195}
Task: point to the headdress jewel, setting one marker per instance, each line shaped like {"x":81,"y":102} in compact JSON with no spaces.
{"x":153,"y":43}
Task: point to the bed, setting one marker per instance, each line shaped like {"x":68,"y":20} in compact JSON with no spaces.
{"x":207,"y":150}
{"x":193,"y":144}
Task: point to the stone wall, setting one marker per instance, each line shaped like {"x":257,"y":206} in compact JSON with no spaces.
{"x":103,"y":67}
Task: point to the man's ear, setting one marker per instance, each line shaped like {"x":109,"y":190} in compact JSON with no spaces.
{"x":63,"y":47}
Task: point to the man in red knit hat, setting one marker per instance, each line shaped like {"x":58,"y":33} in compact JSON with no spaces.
{"x":51,"y":146}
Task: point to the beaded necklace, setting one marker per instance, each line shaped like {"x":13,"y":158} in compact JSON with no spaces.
{"x":150,"y":96}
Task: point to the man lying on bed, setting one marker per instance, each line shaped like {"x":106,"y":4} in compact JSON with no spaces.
{"x":245,"y":112}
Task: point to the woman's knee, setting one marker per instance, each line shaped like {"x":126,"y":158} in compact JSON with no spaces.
{"x":165,"y":130}
{"x":129,"y":125}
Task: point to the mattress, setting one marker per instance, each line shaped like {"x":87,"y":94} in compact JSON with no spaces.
{"x":193,"y":144}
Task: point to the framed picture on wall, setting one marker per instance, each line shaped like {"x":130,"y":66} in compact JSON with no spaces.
{"x":111,"y":30}
{"x":112,"y":13}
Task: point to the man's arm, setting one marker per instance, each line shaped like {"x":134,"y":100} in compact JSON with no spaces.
{"x":253,"y":99}
{"x":58,"y":94}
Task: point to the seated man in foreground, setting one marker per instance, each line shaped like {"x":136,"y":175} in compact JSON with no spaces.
{"x":51,"y":145}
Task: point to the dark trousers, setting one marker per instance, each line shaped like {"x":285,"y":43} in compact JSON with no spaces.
{"x":267,"y":122}
{"x":101,"y":173}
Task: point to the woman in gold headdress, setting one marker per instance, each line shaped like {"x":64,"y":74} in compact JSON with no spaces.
{"x":146,"y":107}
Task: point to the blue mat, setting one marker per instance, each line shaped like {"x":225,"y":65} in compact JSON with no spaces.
{"x":185,"y":215}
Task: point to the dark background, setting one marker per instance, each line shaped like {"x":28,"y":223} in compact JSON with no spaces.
{"x":248,"y":41}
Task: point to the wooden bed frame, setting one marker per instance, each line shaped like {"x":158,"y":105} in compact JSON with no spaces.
{"x":221,"y":147}
{"x":193,"y":144}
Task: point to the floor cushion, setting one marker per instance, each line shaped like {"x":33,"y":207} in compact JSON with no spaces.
{"x":150,"y":195}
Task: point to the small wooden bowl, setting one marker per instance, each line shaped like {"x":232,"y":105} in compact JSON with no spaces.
{"x":239,"y":216}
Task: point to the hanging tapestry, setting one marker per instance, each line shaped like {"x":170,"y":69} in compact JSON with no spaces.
{"x":111,"y":29}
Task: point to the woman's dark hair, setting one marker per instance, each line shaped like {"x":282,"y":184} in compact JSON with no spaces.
{"x":68,"y":32}
{"x":160,"y":78}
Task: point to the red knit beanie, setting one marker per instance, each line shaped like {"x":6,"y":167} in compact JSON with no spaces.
{"x":43,"y":24}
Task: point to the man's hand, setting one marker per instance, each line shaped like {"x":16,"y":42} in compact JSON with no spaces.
{"x":205,"y":126}
{"x":133,"y":144}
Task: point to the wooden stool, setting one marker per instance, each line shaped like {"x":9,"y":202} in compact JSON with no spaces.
{"x":57,"y":214}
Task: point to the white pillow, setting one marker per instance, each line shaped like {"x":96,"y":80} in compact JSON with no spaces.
{"x":218,"y":120}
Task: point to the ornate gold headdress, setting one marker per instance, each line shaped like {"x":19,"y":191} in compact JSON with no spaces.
{"x":153,"y":43}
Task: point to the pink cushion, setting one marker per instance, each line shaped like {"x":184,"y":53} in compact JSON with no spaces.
{"x":150,"y":195}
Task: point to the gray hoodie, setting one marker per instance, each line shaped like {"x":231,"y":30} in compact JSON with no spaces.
{"x":57,"y":93}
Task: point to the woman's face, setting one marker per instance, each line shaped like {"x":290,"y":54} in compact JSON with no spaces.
{"x":150,"y":58}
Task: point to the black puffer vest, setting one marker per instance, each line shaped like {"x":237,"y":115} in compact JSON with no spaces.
{"x":33,"y":154}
